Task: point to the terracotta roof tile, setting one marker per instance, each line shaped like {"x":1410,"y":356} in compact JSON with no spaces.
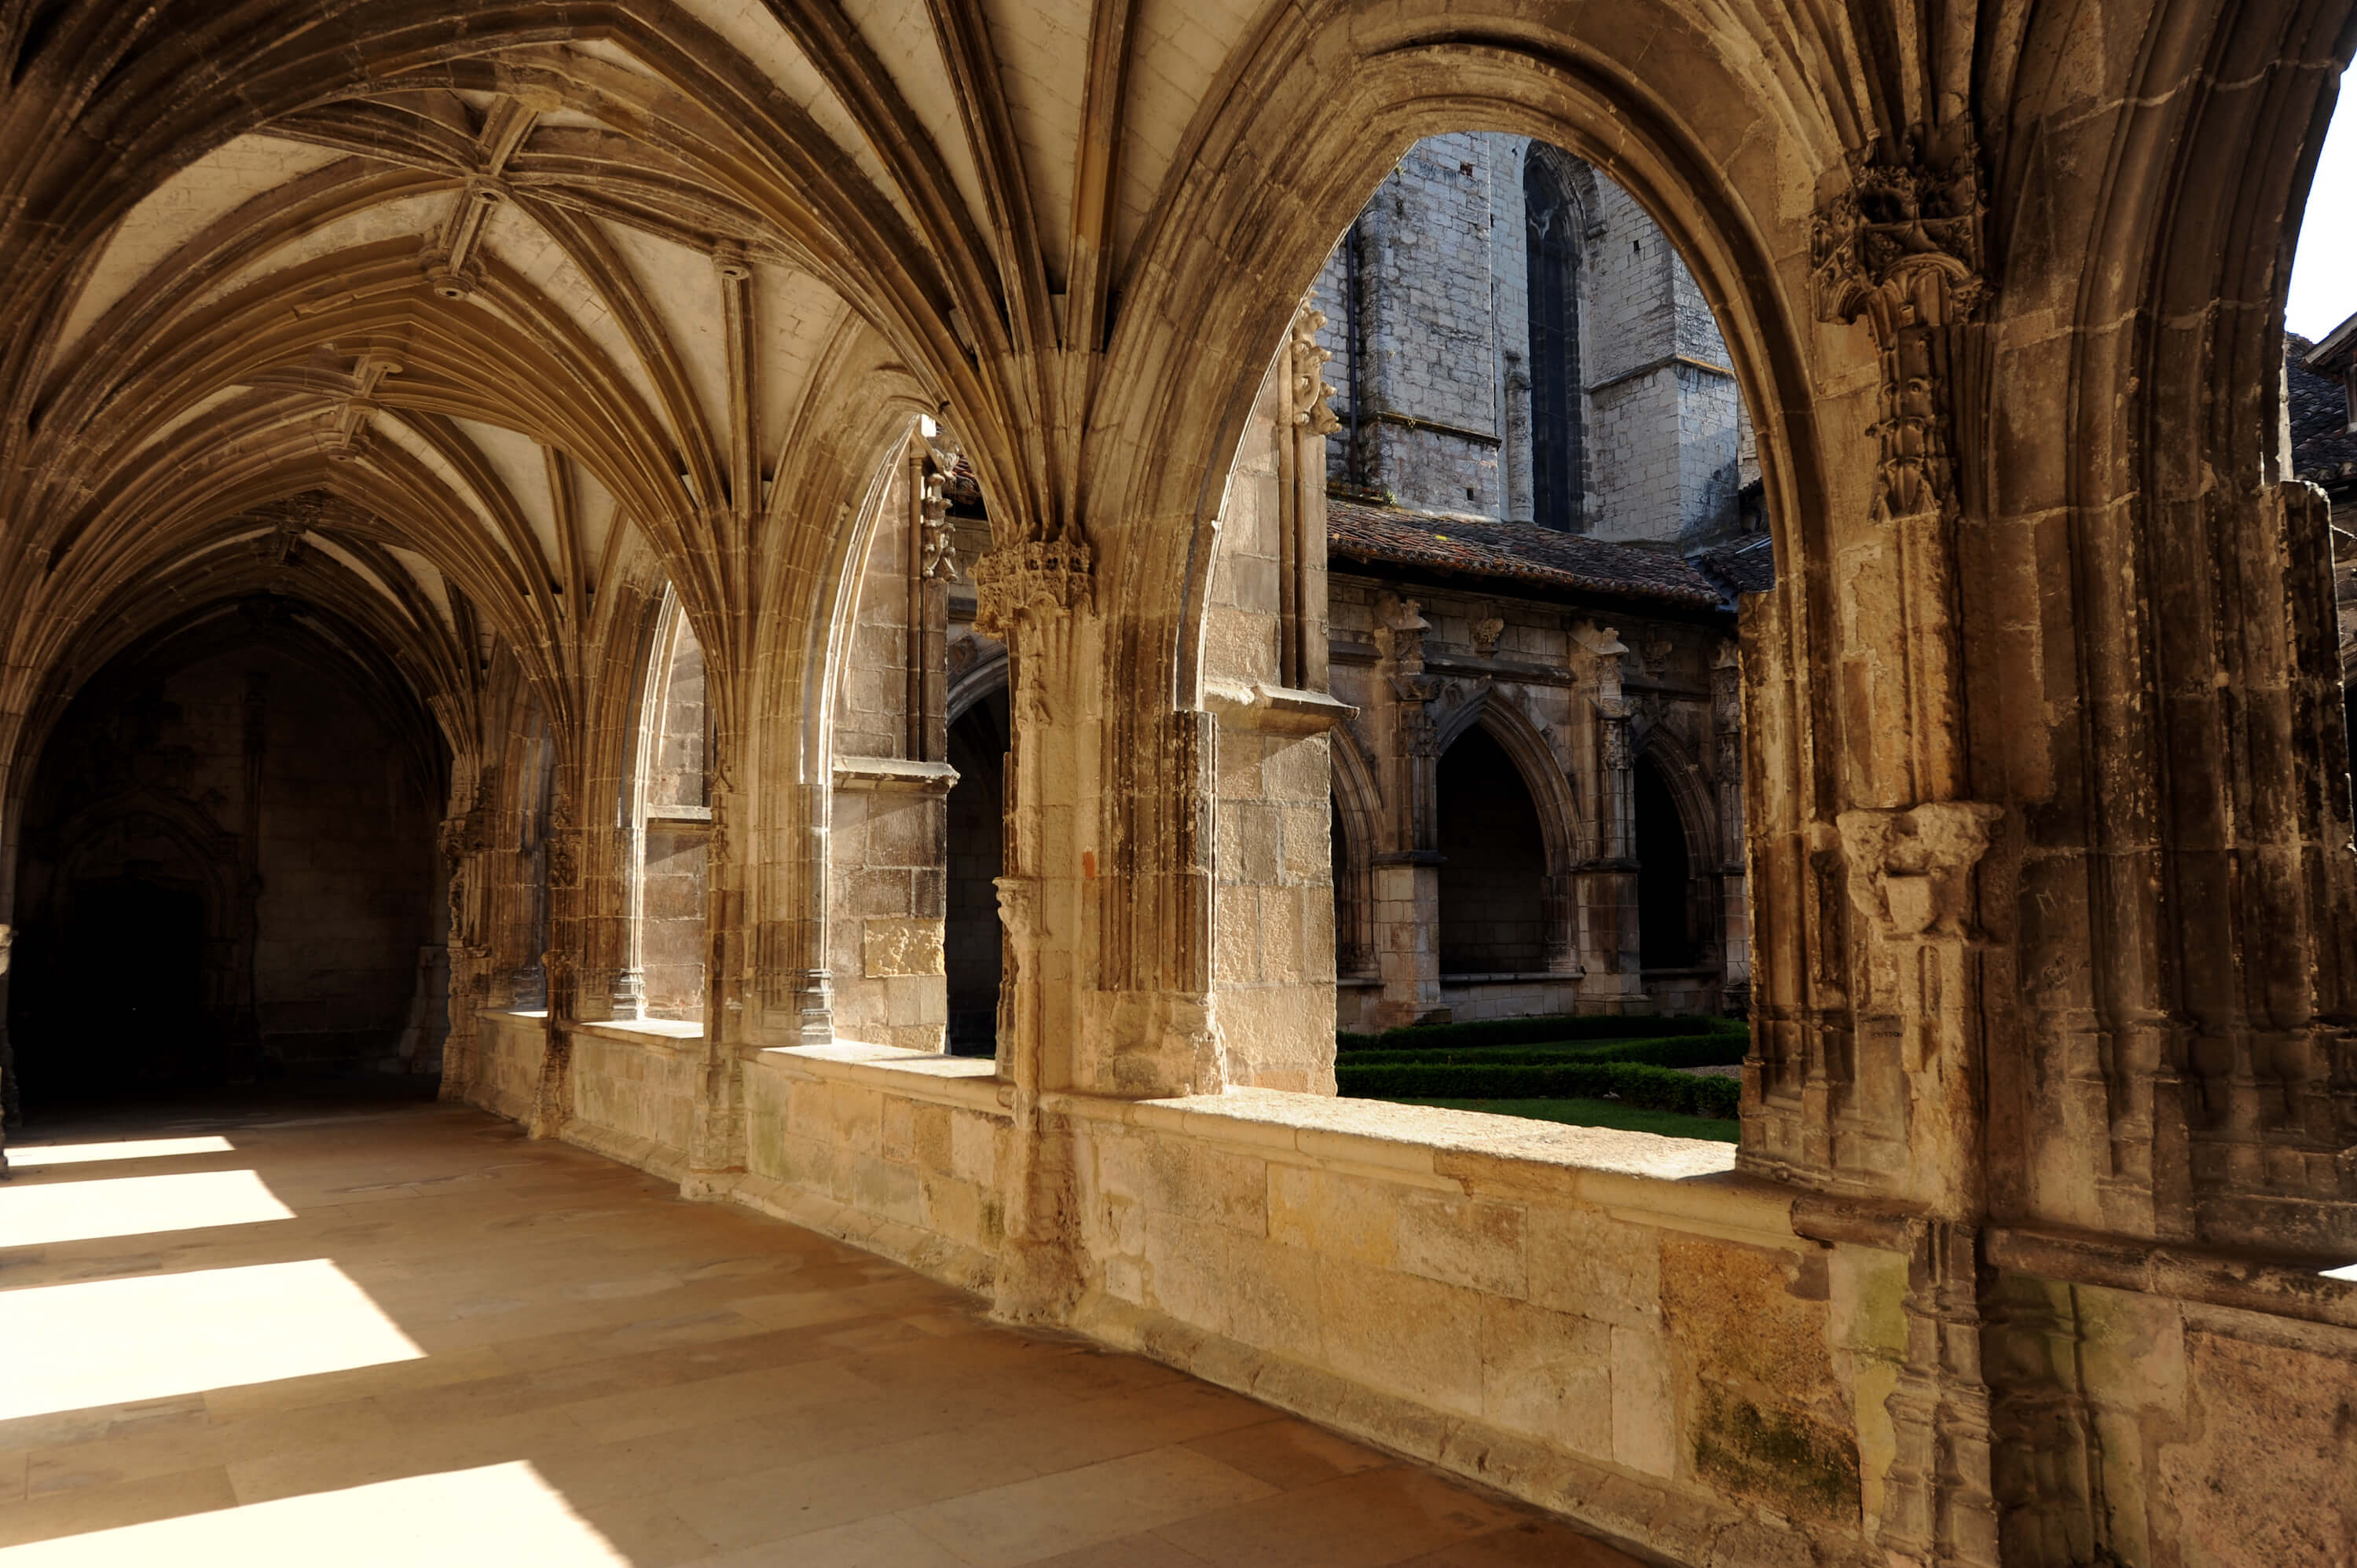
{"x":1483,"y":547}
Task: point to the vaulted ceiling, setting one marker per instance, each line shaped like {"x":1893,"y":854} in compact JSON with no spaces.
{"x":481,"y":308}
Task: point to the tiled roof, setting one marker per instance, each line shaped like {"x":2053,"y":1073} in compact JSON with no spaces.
{"x":1746,"y":566}
{"x":1483,"y":547}
{"x":2323,"y":448}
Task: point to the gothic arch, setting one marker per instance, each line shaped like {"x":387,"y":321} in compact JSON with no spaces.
{"x":2179,"y":411}
{"x":1358,"y":827}
{"x":1233,"y":251}
{"x":1551,"y":789}
{"x":1697,"y":811}
{"x":975,"y":683}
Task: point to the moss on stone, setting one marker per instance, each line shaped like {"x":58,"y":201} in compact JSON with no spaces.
{"x":1780,"y":1456}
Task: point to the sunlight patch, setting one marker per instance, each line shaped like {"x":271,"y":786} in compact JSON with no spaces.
{"x":39,"y":1215}
{"x":504,"y":1514}
{"x":114,"y":1341}
{"x":34,"y":1156}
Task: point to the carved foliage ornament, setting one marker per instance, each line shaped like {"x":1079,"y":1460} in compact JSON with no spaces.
{"x":1038,"y":579}
{"x":1306,"y":388}
{"x":1907,"y":234}
{"x":1903,"y":247}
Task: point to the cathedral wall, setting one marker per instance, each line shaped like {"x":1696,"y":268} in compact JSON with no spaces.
{"x":1443,"y":377}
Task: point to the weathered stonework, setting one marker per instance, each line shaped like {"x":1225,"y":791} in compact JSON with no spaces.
{"x":486,"y":341}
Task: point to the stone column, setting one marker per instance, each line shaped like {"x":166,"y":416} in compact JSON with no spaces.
{"x":715,"y":1144}
{"x":552,"y":1105}
{"x":1726,"y":771}
{"x":1613,"y":982}
{"x":1881,"y":1064}
{"x":464,"y":839}
{"x":1038,"y":596}
{"x":1406,"y":871}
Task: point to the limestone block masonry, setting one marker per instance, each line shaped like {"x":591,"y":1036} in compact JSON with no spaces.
{"x":470,"y":353}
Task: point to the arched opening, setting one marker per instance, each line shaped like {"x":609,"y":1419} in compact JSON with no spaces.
{"x":671,"y":822}
{"x":2320,"y":375}
{"x":972,"y":943}
{"x":227,"y":872}
{"x":1550,"y":251}
{"x":1666,"y":923}
{"x":1493,"y":872}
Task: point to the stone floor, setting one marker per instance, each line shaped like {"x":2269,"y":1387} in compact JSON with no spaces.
{"x":400,"y":1334}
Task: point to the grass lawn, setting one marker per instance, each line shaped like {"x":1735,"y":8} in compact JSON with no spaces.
{"x":1599,"y":1113}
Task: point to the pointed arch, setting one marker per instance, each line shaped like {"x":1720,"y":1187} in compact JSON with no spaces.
{"x":1358,"y":831}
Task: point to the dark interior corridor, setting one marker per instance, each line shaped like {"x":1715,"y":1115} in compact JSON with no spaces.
{"x":225,"y":867}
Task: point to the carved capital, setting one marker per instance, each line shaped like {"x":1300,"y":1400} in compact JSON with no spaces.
{"x":1910,"y":872}
{"x":1903,"y":248}
{"x":1040,"y":579}
{"x":1904,"y":243}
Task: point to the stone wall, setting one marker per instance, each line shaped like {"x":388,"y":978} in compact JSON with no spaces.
{"x":1610,"y":1324}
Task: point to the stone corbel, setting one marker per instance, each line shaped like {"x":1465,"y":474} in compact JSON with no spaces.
{"x":1910,"y":872}
{"x":1276,"y":710}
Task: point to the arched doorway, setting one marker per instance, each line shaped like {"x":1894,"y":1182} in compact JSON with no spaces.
{"x":1665,"y":924}
{"x":1493,"y":875}
{"x":227,"y":870}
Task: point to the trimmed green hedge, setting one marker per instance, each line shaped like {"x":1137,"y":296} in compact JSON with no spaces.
{"x":1700,"y":1051}
{"x":1534,"y":1031}
{"x":1637,"y":1084}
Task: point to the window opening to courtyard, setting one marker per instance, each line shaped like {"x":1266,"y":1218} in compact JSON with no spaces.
{"x":671,"y":822}
{"x":1543,"y":506}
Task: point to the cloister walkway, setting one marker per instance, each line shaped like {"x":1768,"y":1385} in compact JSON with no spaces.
{"x":385,"y":1333}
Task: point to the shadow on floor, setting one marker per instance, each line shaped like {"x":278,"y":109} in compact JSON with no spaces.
{"x":322,"y":1327}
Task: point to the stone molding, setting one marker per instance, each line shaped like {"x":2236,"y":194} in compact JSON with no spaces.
{"x":893,"y":773}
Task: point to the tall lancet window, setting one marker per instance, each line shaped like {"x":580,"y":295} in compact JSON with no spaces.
{"x":1551,"y":233}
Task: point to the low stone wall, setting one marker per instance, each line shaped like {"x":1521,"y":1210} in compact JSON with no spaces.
{"x":633,"y":1090}
{"x":1611,"y":1324}
{"x":1614,"y":1326}
{"x":506,"y":1074}
{"x":901,"y":1151}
